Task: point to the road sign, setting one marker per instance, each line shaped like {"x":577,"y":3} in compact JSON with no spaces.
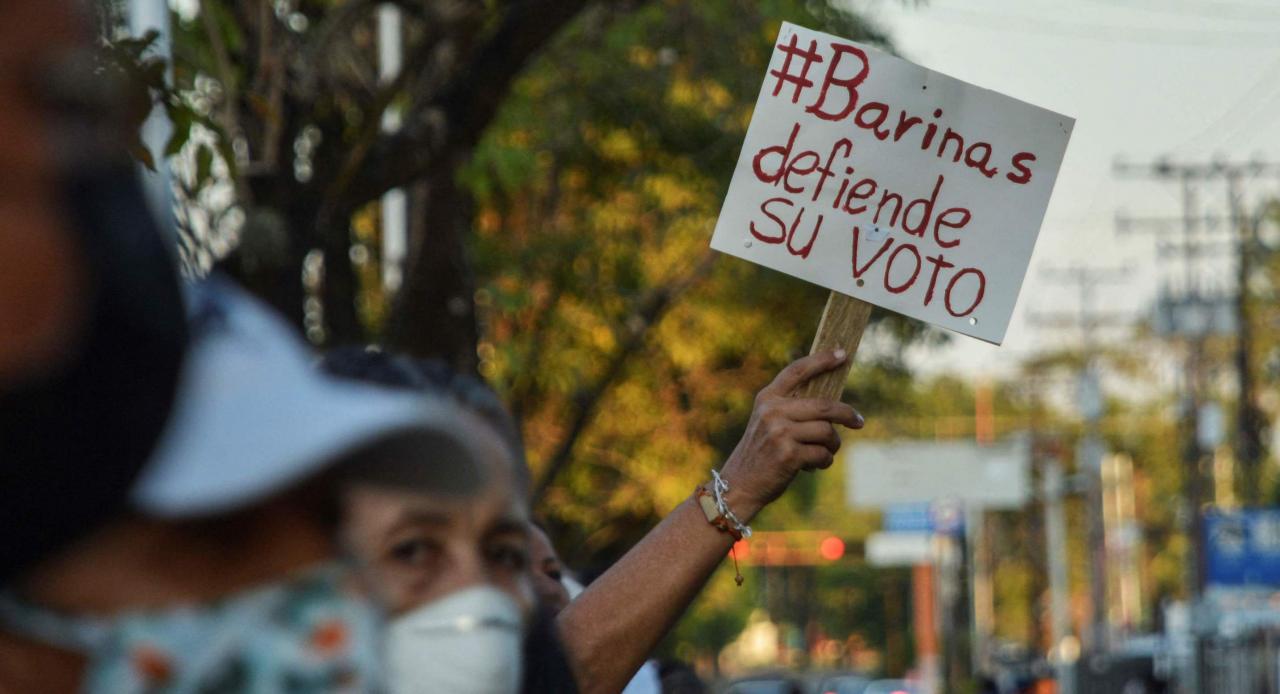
{"x":880,"y":474}
{"x":1242,"y":548}
{"x":942,"y":517}
{"x":899,"y":548}
{"x":910,"y":518}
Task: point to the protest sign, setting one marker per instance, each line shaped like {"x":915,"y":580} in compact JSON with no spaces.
{"x":892,"y":184}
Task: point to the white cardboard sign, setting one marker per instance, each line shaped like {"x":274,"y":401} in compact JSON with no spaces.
{"x":892,"y":183}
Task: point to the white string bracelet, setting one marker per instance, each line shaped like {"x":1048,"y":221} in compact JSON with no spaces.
{"x":719,"y":488}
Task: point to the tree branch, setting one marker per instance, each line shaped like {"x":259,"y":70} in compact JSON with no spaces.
{"x":469,"y":101}
{"x":524,"y":392}
{"x":226,"y":73}
{"x":357,"y":157}
{"x":651,"y":310}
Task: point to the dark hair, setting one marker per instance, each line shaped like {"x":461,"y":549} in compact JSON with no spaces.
{"x":372,"y":364}
{"x":547,"y":669}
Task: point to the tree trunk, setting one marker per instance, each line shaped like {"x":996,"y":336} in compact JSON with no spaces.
{"x":342,"y":325}
{"x":434,"y":314}
{"x":268,"y":261}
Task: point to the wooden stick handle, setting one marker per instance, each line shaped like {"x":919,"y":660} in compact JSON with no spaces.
{"x":843,"y":321}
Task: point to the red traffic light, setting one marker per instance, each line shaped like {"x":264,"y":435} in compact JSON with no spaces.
{"x":832,"y":548}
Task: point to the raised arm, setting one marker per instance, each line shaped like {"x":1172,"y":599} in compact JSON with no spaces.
{"x":612,"y":627}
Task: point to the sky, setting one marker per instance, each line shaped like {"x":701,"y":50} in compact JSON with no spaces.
{"x":1186,"y":80}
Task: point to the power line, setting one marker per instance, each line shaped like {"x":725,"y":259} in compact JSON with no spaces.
{"x":1258,"y":117}
{"x":1270,"y":76}
{"x":1109,"y":33}
{"x":1200,"y":10}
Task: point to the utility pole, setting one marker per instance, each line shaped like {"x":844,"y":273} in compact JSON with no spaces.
{"x":1055,"y":532}
{"x":1090,"y":450}
{"x":1248,"y":438}
{"x":1248,"y":418}
{"x":981,"y":583}
{"x":1189,"y":226}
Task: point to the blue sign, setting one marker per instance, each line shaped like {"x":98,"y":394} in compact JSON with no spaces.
{"x":1242,"y":548}
{"x":907,"y":518}
{"x":939,"y":517}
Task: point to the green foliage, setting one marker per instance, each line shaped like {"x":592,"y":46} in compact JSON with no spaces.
{"x":125,"y":62}
{"x":598,"y":187}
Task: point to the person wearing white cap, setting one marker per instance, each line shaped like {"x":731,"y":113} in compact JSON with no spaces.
{"x":230,"y":574}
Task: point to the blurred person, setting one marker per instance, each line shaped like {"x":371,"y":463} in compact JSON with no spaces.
{"x":554,"y":588}
{"x":430,"y":550}
{"x":548,"y":571}
{"x":230,"y":572}
{"x":436,"y":555}
{"x":612,"y":626}
{"x":92,"y":330}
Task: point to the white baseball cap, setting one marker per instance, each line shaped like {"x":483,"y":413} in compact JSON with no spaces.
{"x":253,"y":416}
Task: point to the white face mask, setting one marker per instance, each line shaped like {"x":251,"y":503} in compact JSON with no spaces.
{"x":467,"y":642}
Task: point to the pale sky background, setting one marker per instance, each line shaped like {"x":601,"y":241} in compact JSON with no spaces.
{"x":1191,"y":80}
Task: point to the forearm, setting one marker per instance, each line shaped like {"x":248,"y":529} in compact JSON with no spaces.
{"x":615,"y":623}
{"x":613,"y":626}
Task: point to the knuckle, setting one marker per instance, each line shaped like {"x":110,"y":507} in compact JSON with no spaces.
{"x":788,"y":449}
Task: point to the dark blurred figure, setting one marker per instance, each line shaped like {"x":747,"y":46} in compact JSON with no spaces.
{"x":548,"y":571}
{"x":91,"y":324}
{"x":678,"y":677}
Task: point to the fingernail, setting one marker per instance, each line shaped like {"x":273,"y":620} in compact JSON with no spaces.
{"x":841,"y":354}
{"x":859,"y":419}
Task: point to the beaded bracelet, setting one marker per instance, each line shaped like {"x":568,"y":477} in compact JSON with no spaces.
{"x":721,"y":517}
